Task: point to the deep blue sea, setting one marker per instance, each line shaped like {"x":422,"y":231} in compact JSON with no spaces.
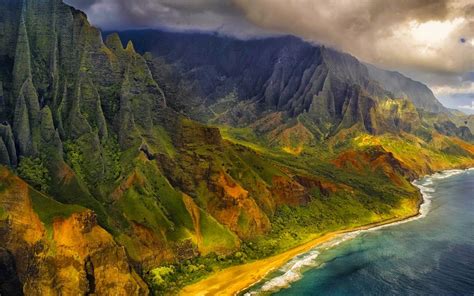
{"x":430,"y":255}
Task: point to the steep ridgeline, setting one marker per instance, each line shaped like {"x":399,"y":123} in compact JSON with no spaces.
{"x":403,"y":87}
{"x":107,"y":187}
{"x":85,"y":123}
{"x":117,"y":182}
{"x":61,"y":82}
{"x":65,"y":99}
{"x":240,"y":81}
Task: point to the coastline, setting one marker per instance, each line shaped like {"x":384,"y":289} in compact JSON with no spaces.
{"x":236,"y":279}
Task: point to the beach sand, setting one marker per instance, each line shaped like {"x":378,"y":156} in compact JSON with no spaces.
{"x":233,"y":280}
{"x":236,"y":279}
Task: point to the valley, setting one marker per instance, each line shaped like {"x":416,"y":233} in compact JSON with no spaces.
{"x":140,"y":162}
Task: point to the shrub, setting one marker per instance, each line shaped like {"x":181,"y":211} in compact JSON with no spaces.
{"x":161,"y":278}
{"x":74,"y":158}
{"x":112,"y":155}
{"x":35,"y":173}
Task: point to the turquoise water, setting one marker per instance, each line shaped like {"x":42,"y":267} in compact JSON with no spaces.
{"x":430,"y":255}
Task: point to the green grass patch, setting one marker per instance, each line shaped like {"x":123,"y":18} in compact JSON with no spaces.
{"x":48,"y":209}
{"x":143,"y":209}
{"x":216,"y":237}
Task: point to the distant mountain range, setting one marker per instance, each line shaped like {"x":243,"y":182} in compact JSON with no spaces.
{"x":129,"y":173}
{"x":287,"y":67}
{"x":237,"y":82}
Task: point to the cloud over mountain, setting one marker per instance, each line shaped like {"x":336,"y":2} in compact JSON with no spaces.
{"x":433,"y":40}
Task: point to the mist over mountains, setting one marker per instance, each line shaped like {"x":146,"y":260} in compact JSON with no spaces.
{"x":278,"y":74}
{"x":138,"y":162}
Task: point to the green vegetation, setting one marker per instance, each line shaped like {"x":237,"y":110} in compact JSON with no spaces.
{"x":48,"y":209}
{"x":292,"y":226}
{"x":104,"y":129}
{"x":3,"y":214}
{"x":216,"y":236}
{"x":245,"y":137}
{"x":167,"y":280}
{"x":75,"y":158}
{"x":112,"y":155}
{"x":35,"y":172}
{"x":162,"y":141}
{"x":139,"y":207}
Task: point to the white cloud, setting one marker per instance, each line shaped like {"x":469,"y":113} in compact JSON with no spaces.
{"x":463,"y":88}
{"x":203,"y":15}
{"x":423,"y":38}
{"x":414,"y":34}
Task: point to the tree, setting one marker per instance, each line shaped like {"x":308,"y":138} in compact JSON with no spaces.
{"x":33,"y":171}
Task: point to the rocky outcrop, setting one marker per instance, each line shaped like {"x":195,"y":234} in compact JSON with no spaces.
{"x":200,"y":164}
{"x":289,"y":192}
{"x":450,"y":129}
{"x":74,"y":73}
{"x":377,"y":158}
{"x":403,"y":87}
{"x":279,"y":74}
{"x":66,"y":255}
{"x":9,"y":150}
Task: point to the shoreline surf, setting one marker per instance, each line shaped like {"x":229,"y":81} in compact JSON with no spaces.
{"x":237,"y":279}
{"x":293,"y":270}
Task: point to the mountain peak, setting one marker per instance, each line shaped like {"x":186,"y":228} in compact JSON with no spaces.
{"x":404,"y":87}
{"x":113,"y":42}
{"x":227,"y":56}
{"x":130,"y":48}
{"x":118,"y":168}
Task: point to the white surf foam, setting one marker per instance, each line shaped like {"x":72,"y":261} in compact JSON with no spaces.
{"x":447,"y":174}
{"x":292,"y":271}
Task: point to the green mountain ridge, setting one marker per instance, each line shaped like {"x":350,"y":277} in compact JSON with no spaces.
{"x":236,"y":82}
{"x":402,"y":87}
{"x":109,"y":186}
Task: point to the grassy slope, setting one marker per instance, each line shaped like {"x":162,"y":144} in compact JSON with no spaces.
{"x":354,"y":185}
{"x":47,"y":208}
{"x":366,"y":192}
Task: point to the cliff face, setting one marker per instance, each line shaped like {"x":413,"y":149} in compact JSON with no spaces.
{"x":238,"y":82}
{"x":51,"y":57}
{"x":85,"y":122}
{"x":403,"y":87}
{"x":66,"y":254}
{"x":120,"y":180}
{"x":282,"y":73}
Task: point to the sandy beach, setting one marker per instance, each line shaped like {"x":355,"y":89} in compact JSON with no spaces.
{"x":232,"y":280}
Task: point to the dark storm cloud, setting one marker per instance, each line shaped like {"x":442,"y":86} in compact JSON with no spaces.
{"x":209,"y":15}
{"x":422,"y":34}
{"x":417,"y":37}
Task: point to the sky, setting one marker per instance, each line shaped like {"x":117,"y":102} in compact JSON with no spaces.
{"x":428,"y":40}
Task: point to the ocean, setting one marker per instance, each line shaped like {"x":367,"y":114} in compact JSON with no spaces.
{"x":432,"y":254}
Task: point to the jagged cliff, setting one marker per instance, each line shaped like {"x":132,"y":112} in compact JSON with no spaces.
{"x":403,"y":87}
{"x":69,"y":255}
{"x":237,"y":82}
{"x":62,"y":85}
{"x":105,"y":177}
{"x":284,"y":72}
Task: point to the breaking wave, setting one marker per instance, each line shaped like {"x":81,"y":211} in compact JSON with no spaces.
{"x":293,"y":270}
